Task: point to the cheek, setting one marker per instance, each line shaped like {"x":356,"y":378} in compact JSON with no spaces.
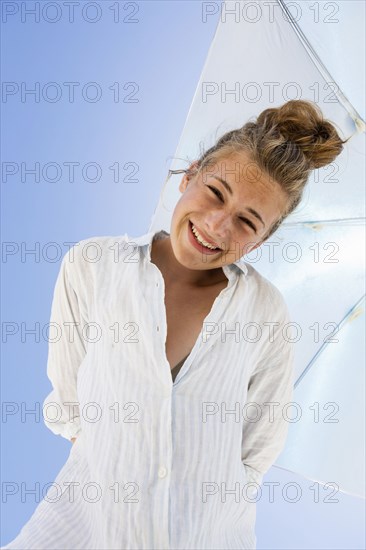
{"x":180,"y":215}
{"x":243,"y":242}
{"x":189,"y":203}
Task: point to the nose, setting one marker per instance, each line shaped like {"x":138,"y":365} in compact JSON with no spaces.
{"x":217,"y":224}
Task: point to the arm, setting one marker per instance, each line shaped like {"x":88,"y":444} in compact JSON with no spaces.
{"x":66,"y":351}
{"x":271,"y":382}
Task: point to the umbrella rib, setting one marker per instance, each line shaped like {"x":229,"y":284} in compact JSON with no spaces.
{"x":320,"y":481}
{"x":334,"y":220}
{"x":326,"y":343}
{"x":360,"y":123}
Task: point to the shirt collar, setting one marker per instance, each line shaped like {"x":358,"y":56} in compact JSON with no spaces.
{"x":146,"y":241}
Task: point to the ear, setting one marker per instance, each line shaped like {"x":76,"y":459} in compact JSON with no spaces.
{"x":183,"y":183}
{"x":185,"y":179}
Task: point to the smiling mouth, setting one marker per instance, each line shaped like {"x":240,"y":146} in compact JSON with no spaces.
{"x":200,"y":239}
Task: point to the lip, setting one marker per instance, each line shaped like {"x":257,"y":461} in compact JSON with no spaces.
{"x":199,"y":246}
{"x":203,"y":234}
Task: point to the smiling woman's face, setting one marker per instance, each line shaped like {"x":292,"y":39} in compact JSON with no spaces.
{"x":234,"y":216}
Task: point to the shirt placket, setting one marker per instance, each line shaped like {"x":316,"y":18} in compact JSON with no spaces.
{"x":163,"y":435}
{"x":162,"y":519}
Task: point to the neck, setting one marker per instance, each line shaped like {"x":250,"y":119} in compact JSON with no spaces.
{"x":163,"y":257}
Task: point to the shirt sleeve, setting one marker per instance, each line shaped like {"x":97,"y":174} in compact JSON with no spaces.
{"x":270,"y":388}
{"x":66,"y":351}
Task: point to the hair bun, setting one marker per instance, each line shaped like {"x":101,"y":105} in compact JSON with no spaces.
{"x":321,"y":131}
{"x":301,"y":123}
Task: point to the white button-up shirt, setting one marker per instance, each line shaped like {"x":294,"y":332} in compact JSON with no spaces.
{"x":159,"y":464}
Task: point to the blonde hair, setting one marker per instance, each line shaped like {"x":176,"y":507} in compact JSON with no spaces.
{"x":286,"y":142}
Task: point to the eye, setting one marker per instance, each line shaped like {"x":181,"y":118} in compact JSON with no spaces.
{"x":216,"y":192}
{"x":250,"y":224}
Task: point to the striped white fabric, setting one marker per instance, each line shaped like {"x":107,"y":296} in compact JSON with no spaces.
{"x":157,"y":464}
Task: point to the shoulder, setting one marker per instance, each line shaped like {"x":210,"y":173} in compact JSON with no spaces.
{"x":87,"y":257}
{"x":265,"y":294}
{"x":271,"y":311}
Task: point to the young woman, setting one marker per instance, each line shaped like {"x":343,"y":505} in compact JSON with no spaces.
{"x":172,"y":365}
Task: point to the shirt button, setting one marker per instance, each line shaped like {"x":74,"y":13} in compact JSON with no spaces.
{"x":253,"y":491}
{"x":157,"y":284}
{"x":157,"y":328}
{"x":162,"y":472}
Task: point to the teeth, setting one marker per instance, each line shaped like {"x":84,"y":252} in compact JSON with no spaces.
{"x":202,"y":241}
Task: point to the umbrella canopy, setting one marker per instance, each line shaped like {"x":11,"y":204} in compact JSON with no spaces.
{"x":262,"y":55}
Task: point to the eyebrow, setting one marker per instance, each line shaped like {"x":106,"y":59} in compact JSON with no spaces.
{"x":229,"y":190}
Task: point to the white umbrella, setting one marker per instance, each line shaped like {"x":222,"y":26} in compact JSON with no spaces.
{"x":262,"y":55}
